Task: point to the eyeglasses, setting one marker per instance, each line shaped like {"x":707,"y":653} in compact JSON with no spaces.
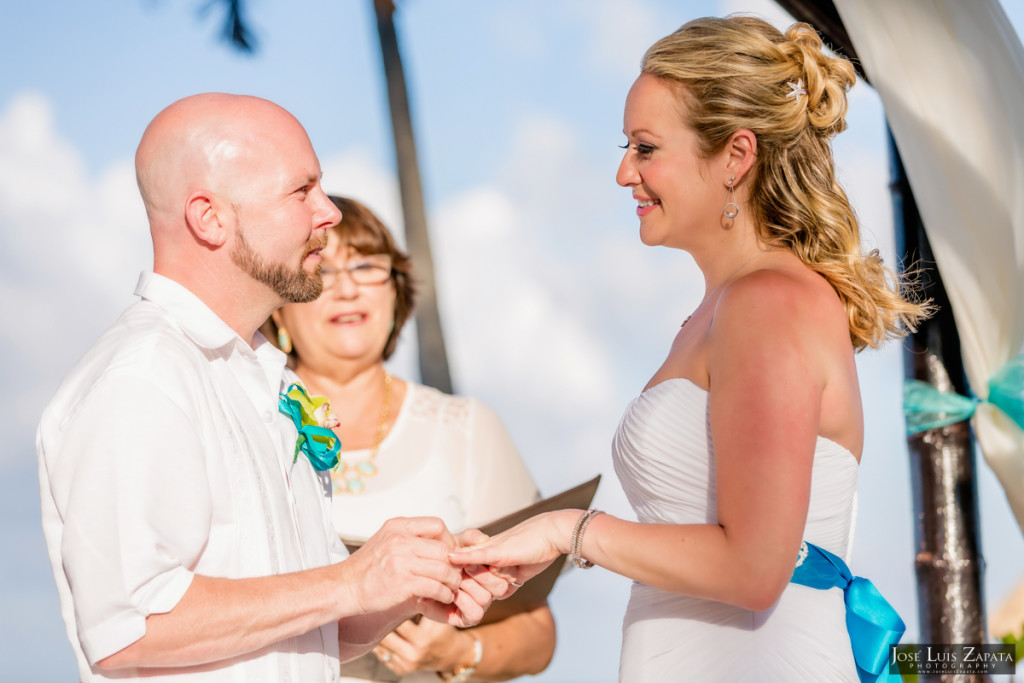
{"x":372,"y":269}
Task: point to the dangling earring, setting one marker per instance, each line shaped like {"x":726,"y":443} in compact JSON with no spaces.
{"x":731,"y":208}
{"x":284,"y":340}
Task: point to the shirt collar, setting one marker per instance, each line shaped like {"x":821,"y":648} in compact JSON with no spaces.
{"x":194,"y":317}
{"x":271,"y":357}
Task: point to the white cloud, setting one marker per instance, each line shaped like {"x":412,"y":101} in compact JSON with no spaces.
{"x":496,"y":300}
{"x":71,"y":247}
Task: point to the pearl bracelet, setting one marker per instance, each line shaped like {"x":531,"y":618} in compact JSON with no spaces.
{"x":576,"y":545}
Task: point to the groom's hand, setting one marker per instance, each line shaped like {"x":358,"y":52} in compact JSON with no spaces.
{"x":405,"y":562}
{"x":478,"y":588}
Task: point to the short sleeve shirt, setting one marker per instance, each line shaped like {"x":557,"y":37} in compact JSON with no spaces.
{"x":163,"y":455}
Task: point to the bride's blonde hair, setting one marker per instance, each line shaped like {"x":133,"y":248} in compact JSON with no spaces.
{"x":741,"y":72}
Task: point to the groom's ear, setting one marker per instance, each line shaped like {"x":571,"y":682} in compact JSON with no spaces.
{"x":207,"y":218}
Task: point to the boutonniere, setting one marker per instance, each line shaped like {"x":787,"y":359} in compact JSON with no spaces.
{"x":313,"y":418}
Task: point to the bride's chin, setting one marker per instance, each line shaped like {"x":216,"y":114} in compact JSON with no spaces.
{"x":649,"y":238}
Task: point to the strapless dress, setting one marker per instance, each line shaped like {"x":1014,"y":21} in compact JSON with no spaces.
{"x":664,"y":458}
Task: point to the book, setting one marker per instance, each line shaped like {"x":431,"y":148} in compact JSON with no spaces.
{"x":532,"y":594}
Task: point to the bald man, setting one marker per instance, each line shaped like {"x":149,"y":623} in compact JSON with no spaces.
{"x":187,"y":542}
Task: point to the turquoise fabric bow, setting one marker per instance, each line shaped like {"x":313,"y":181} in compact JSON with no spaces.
{"x":925,"y":407}
{"x":871,"y":621}
{"x":319,"y":444}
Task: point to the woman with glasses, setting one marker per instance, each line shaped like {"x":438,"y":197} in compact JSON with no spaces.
{"x":407,"y":449}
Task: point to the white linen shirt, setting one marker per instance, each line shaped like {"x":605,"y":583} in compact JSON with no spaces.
{"x":163,"y":455}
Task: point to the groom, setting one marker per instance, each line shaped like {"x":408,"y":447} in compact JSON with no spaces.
{"x":185,"y":539}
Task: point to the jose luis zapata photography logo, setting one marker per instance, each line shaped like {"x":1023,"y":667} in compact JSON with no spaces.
{"x":929,"y":658}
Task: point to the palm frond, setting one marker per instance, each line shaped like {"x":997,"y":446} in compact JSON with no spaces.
{"x":235,"y":30}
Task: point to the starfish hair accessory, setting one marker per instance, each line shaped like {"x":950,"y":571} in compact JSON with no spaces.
{"x":796,"y":90}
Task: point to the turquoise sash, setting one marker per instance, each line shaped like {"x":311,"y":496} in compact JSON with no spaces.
{"x":319,"y":444}
{"x":871,"y":621}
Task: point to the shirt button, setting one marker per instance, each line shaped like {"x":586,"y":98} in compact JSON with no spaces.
{"x":268,"y":417}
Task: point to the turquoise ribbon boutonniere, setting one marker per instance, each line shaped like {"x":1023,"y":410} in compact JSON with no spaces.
{"x":313,"y":419}
{"x":871,"y":621}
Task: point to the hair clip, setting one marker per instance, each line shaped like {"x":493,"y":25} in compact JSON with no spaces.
{"x":796,"y":90}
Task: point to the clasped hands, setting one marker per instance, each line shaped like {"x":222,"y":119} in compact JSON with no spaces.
{"x":419,"y":567}
{"x":454,"y":579}
{"x":406,"y":568}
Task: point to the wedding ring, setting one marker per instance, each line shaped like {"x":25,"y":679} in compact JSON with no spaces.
{"x":384,"y":657}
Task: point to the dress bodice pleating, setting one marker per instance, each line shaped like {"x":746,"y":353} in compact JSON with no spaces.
{"x":664,"y":458}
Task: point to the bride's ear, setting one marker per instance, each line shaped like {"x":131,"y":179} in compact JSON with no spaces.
{"x":740,"y":153}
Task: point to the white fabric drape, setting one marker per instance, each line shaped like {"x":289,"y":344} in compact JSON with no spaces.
{"x":950,"y":74}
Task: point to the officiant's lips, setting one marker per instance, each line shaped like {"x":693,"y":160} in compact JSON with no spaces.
{"x":349,"y":318}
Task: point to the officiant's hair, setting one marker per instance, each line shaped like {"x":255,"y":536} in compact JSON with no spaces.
{"x":741,"y":72}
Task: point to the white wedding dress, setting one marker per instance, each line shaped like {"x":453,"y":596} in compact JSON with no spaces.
{"x":665,"y":460}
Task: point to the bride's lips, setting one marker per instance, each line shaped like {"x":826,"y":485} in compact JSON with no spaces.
{"x":644,"y":205}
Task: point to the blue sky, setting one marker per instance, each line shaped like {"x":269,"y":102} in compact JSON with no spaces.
{"x":555,"y":313}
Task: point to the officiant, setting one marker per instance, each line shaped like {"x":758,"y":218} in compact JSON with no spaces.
{"x":406,"y":449}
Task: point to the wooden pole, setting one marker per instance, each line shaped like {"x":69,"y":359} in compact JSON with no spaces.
{"x":433,"y":357}
{"x":942,"y":463}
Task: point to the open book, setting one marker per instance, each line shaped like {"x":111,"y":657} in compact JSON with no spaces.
{"x":533,"y":593}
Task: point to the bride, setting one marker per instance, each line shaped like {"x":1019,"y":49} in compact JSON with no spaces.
{"x":740,"y":456}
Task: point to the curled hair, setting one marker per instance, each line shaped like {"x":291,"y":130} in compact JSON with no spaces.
{"x":363,"y":231}
{"x":741,"y":72}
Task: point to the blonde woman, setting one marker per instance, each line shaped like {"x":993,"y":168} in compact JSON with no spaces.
{"x":740,"y":456}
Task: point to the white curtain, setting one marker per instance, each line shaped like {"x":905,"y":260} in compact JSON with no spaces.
{"x":950,"y":74}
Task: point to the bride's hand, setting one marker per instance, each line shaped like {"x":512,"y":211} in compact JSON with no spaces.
{"x":526,"y":549}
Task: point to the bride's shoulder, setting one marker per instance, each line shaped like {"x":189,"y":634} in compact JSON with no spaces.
{"x":782,"y":300}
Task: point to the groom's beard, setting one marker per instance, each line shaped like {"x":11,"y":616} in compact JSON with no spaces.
{"x":296,"y":286}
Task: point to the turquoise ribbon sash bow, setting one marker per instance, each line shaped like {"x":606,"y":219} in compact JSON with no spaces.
{"x":925,"y":407}
{"x":319,"y":444}
{"x":871,"y":621}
